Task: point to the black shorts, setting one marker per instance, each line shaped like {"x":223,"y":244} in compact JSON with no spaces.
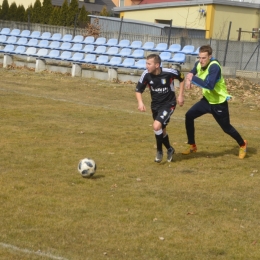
{"x":163,"y":115}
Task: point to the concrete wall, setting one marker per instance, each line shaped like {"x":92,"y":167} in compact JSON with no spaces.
{"x":245,"y":18}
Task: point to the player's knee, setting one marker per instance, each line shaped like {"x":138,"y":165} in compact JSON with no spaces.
{"x":189,"y":115}
{"x":157,"y":126}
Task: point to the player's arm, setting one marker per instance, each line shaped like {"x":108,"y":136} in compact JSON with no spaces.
{"x":190,"y":75}
{"x":210,"y":81}
{"x":141,"y":106}
{"x":140,"y":87}
{"x":180,"y":99}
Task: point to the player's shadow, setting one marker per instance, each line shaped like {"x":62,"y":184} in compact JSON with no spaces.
{"x":204,"y":154}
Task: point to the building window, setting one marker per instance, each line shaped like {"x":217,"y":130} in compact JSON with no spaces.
{"x":163,"y":21}
{"x":122,"y":3}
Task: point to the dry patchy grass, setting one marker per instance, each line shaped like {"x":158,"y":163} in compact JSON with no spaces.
{"x":203,"y":206}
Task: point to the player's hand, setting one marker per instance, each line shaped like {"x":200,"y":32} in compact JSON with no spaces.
{"x":187,"y":84}
{"x":180,"y":101}
{"x":189,"y":76}
{"x":141,"y":107}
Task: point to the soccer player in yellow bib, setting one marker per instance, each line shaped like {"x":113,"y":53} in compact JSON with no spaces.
{"x":207,"y":75}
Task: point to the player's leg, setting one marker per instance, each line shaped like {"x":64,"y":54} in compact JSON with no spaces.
{"x":157,"y":127}
{"x":161,"y":119}
{"x":221,"y":115}
{"x":166,"y":141}
{"x":200,"y":108}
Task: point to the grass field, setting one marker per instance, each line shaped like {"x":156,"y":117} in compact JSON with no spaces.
{"x":202,"y":206}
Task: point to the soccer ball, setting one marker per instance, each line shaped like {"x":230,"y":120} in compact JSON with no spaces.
{"x":87,"y":167}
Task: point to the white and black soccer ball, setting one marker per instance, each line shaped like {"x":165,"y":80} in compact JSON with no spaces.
{"x":87,"y":167}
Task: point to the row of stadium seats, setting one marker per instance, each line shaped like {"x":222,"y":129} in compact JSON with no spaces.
{"x":75,"y":54}
{"x":25,"y":37}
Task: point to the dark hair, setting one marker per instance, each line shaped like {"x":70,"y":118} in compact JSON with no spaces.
{"x":206,"y":48}
{"x":156,"y":57}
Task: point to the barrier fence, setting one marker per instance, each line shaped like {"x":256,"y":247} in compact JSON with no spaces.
{"x":239,"y":55}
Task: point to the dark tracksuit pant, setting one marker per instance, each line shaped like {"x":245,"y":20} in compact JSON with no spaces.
{"x":221,"y":114}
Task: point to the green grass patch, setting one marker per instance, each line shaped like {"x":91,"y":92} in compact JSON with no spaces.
{"x":202,"y":206}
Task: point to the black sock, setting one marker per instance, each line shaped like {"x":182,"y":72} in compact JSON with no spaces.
{"x":159,"y":141}
{"x":166,"y":141}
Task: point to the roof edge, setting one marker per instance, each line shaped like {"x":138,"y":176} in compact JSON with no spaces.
{"x":186,"y":3}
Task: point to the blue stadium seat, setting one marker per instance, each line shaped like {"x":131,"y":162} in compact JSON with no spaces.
{"x":45,"y":36}
{"x":53,"y":45}
{"x":3,"y":38}
{"x":5,"y":31}
{"x":160,"y":47}
{"x":140,"y":64}
{"x":100,"y":50}
{"x":123,"y":43}
{"x":64,"y":56}
{"x":124,"y":52}
{"x":52,"y":54}
{"x":77,"y":39}
{"x":66,"y":38}
{"x":114,"y":61}
{"x":8,"y":48}
{"x":88,"y":48}
{"x":56,"y":37}
{"x":76,"y":47}
{"x":137,"y":54}
{"x":195,"y":53}
{"x":65,"y":46}
{"x":111,"y":42}
{"x":187,"y":49}
{"x":136,"y":45}
{"x":112,"y":51}
{"x":179,"y":58}
{"x":174,"y":48}
{"x":32,"y":42}
{"x":100,"y":41}
{"x":21,"y":41}
{"x":127,"y":63}
{"x":43,"y":44}
{"x":88,"y":40}
{"x":76,"y":56}
{"x":24,"y":33}
{"x":29,"y":52}
{"x":14,"y":32}
{"x":19,"y":50}
{"x":165,"y":55}
{"x":148,"y":46}
{"x":11,"y":40}
{"x":34,"y":34}
{"x":40,"y":53}
{"x":102,"y":59}
{"x":89,"y":58}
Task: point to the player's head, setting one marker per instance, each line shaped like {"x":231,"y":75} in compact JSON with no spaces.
{"x":153,"y":63}
{"x":205,"y":54}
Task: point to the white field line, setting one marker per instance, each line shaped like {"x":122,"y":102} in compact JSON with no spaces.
{"x":27,"y":251}
{"x":111,"y":108}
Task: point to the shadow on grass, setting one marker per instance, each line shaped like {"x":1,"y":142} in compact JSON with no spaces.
{"x":96,"y":177}
{"x":204,"y":154}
